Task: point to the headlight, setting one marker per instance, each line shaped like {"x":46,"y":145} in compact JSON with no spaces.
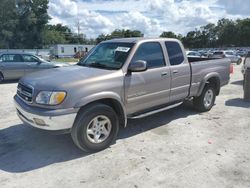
{"x":50,"y":97}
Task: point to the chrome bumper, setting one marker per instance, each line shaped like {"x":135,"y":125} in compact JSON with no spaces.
{"x":53,"y":123}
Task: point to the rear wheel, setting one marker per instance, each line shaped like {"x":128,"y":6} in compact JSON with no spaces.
{"x":95,"y":128}
{"x":205,"y":101}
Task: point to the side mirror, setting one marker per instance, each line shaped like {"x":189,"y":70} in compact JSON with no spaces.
{"x":137,"y":66}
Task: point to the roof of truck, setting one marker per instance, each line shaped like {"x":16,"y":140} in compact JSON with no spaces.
{"x":137,"y":39}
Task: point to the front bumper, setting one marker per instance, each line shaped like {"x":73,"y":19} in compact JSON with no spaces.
{"x":55,"y":120}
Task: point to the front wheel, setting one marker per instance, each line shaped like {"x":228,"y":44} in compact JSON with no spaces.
{"x":205,"y":101}
{"x":95,"y":127}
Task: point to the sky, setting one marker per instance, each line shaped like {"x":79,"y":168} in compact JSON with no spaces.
{"x":151,"y":17}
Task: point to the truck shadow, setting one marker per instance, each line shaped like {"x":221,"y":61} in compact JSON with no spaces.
{"x":138,"y":126}
{"x":23,"y":148}
{"x":9,"y":82}
{"x":239,"y":82}
{"x":238,"y":103}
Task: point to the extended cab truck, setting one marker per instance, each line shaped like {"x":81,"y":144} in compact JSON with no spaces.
{"x":119,"y":79}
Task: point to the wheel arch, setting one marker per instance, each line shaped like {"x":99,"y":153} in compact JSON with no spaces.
{"x":111,"y":99}
{"x":211,"y":79}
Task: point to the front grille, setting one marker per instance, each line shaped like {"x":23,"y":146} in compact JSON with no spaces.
{"x":25,"y":92}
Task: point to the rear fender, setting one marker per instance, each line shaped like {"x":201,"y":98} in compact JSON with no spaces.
{"x":206,"y":79}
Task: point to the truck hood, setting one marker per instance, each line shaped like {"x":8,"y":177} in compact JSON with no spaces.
{"x":60,"y":64}
{"x":64,"y":77}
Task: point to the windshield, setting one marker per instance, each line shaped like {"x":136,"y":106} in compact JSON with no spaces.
{"x":108,"y":56}
{"x":40,"y":59}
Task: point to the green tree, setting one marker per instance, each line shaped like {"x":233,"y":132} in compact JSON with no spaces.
{"x":227,"y":32}
{"x":55,"y":34}
{"x":119,"y":34}
{"x":125,"y":33}
{"x":100,"y":38}
{"x":32,"y":18}
{"x":8,"y":23}
{"x":243,"y":32}
{"x":209,"y":35}
{"x":168,"y":34}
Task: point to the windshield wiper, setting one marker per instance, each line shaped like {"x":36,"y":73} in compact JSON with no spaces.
{"x":83,"y":65}
{"x":99,"y":65}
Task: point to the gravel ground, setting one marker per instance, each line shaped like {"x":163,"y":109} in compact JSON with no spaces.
{"x":176,"y":148}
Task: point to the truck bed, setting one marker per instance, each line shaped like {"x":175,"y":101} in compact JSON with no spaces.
{"x":203,"y":68}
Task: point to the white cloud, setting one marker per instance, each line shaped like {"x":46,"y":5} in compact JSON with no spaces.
{"x":63,"y":8}
{"x":236,"y":7}
{"x":151,"y":17}
{"x":135,"y":20}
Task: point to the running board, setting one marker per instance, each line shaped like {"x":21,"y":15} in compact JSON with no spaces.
{"x":154,"y":111}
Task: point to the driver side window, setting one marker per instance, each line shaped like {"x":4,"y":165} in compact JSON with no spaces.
{"x":151,"y":52}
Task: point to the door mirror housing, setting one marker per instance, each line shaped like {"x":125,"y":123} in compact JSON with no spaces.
{"x":137,"y":66}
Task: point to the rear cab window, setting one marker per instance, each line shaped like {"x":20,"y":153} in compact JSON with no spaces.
{"x":175,"y":53}
{"x":152,"y":53}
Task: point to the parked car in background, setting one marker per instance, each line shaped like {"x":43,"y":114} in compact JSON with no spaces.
{"x":227,"y":54}
{"x":193,"y":54}
{"x":246,"y":63}
{"x":241,"y":53}
{"x":15,"y":65}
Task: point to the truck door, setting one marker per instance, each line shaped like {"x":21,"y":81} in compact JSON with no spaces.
{"x":180,"y":71}
{"x":149,"y":88}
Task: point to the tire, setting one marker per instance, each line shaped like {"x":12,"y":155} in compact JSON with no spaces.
{"x":102,"y":124}
{"x":1,"y":78}
{"x":206,"y":100}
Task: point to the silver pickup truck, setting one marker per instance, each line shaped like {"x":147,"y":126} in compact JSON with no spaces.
{"x":119,"y":79}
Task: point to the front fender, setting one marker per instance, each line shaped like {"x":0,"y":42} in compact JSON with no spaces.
{"x":101,"y":96}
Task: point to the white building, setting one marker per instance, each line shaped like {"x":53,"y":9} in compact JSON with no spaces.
{"x":68,"y":50}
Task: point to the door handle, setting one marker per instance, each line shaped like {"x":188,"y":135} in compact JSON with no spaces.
{"x":164,"y":74}
{"x":175,"y":71}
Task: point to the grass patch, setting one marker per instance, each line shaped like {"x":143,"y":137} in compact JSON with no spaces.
{"x":65,"y":60}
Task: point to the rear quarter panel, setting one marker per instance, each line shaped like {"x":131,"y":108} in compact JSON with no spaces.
{"x":203,"y":70}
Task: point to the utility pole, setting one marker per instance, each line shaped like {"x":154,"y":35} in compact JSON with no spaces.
{"x":78,"y":28}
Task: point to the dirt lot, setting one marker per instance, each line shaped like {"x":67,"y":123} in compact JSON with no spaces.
{"x":176,"y":148}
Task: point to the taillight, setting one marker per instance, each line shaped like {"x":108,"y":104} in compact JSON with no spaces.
{"x":231,"y":68}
